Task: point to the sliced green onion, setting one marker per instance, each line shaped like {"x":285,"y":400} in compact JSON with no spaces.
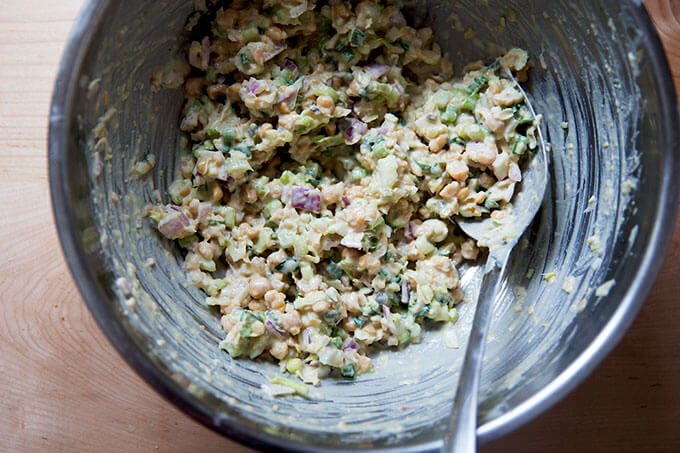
{"x":337,"y":342}
{"x":457,"y":140}
{"x":491,"y":204}
{"x":520,"y":146}
{"x":348,"y":370}
{"x":288,"y":266}
{"x":478,"y":84}
{"x":334,"y":270}
{"x":401,"y":43}
{"x":356,"y":37}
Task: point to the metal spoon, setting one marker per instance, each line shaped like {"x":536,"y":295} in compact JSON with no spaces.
{"x":501,"y":238}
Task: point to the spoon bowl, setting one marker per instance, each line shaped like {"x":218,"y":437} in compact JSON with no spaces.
{"x":500,"y":234}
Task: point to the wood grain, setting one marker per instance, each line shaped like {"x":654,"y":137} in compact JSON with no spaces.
{"x":64,"y":388}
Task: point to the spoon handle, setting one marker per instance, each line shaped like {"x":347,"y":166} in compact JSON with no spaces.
{"x":461,"y":434}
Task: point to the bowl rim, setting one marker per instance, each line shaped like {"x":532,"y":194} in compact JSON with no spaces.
{"x":80,"y":38}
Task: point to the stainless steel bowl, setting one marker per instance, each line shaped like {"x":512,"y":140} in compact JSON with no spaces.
{"x":599,"y":76}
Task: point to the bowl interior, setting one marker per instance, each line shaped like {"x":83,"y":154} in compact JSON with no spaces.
{"x":599,"y":79}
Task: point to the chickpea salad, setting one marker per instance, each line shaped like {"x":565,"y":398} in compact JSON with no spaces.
{"x":331,"y":149}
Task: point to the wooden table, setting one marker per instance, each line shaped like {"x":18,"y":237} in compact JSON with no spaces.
{"x":64,"y":388}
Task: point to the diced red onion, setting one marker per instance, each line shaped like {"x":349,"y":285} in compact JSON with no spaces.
{"x":174,"y":224}
{"x":306,"y":337}
{"x":289,"y":96}
{"x":388,"y":318}
{"x":278,"y":48}
{"x":355,"y":131}
{"x":345,"y":200}
{"x":98,"y":164}
{"x":290,"y":65}
{"x":405,"y":287}
{"x":306,"y":199}
{"x":205,"y":52}
{"x":204,"y":210}
{"x":409,"y":231}
{"x":254,"y":85}
{"x":350,"y":345}
{"x":274,"y":329}
{"x":376,"y":70}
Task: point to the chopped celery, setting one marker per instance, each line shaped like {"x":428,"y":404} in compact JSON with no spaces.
{"x":328,"y":141}
{"x":250,"y":34}
{"x":187,"y":241}
{"x":229,"y":215}
{"x":207,"y":265}
{"x":300,"y":388}
{"x":305,"y":124}
{"x":237,"y":166}
{"x":212,"y":133}
{"x":380,"y":150}
{"x":358,"y":173}
{"x":293,"y":365}
{"x":271,"y":207}
{"x":450,"y":114}
{"x":382,"y":91}
{"x":324,"y":90}
{"x":470,"y":102}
